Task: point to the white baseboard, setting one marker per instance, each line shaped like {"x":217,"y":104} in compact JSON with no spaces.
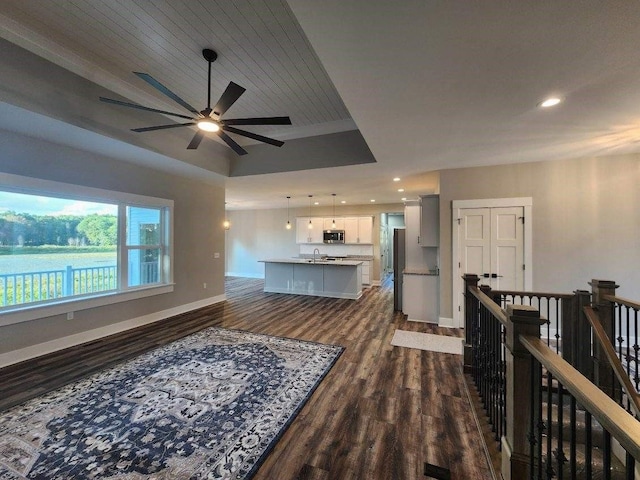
{"x":446,"y":322}
{"x":51,"y":346}
{"x":245,"y":275}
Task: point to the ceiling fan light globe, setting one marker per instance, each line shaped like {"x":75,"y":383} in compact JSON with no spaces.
{"x":208,"y":126}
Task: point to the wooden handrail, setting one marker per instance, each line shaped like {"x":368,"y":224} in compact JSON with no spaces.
{"x":614,"y":361}
{"x":615,"y":419}
{"x":622,"y":301}
{"x":492,"y":306}
{"x":533,"y":294}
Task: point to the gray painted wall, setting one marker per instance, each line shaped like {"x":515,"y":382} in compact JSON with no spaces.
{"x":586,"y":220}
{"x":198,"y":216}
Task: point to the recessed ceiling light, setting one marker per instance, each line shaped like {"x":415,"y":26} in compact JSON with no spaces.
{"x":316,"y":203}
{"x":372,"y":200}
{"x":343,"y":201}
{"x":401,"y":190}
{"x":397,"y":179}
{"x":404,"y":199}
{"x":550,"y":102}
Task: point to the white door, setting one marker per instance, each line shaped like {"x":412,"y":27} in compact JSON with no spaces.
{"x":492,"y":247}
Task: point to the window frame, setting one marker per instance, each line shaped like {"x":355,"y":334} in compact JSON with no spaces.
{"x":122,"y":293}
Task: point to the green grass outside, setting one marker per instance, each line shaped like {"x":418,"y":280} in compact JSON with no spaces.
{"x":54,"y":249}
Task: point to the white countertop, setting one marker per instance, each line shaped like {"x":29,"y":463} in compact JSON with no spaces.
{"x":309,"y":261}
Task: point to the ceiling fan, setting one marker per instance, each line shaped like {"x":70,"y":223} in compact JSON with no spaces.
{"x":208,"y":120}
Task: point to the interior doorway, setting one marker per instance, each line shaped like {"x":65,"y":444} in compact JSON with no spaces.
{"x":492,"y":239}
{"x":389,"y":222}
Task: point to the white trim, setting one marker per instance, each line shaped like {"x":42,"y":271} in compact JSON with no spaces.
{"x":456,"y":205}
{"x":245,"y":275}
{"x":26,"y":312}
{"x":446,"y":322}
{"x":33,"y":351}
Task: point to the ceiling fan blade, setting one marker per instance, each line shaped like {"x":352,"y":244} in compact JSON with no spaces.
{"x":257,"y":121}
{"x":162,"y":127}
{"x":195,"y":141}
{"x":162,"y":89}
{"x":140,"y":107}
{"x":228,"y":98}
{"x":231,"y":142}
{"x":255,"y":136}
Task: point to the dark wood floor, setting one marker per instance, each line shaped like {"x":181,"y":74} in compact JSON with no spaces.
{"x":381,"y":413}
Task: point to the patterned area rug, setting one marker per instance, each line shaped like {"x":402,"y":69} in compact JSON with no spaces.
{"x":211,"y":405}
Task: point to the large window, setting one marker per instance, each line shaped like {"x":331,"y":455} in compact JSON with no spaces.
{"x":73,"y":244}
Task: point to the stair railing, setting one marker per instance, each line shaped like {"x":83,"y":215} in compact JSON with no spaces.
{"x":511,"y":383}
{"x":582,"y":395}
{"x":633,"y":399}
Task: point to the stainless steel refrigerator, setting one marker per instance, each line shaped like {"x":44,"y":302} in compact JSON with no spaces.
{"x":398,"y":266}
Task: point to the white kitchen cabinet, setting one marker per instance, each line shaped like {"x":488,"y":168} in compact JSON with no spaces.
{"x":366,"y":272}
{"x":304,"y":234}
{"x":420,"y":297}
{"x":365,"y":229}
{"x":414,"y":253}
{"x":429,"y":221}
{"x":328,"y":223}
{"x":358,"y":230}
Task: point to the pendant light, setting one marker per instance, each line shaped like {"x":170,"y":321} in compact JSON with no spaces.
{"x":333,"y":224}
{"x":310,"y":226}
{"x":288,"y":222}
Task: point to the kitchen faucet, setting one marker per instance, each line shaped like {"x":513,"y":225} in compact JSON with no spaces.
{"x":314,"y":254}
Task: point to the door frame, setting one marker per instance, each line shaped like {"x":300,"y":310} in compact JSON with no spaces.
{"x":456,"y":205}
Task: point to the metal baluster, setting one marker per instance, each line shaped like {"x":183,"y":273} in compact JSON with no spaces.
{"x":541,"y":425}
{"x":628,"y":353}
{"x":532,"y":418}
{"x":588,"y":446}
{"x":572,"y":438}
{"x":617,"y":313}
{"x":630,"y":466}
{"x":550,"y":472}
{"x":607,"y":456}
{"x":559,"y":453}
{"x":503,"y":386}
{"x":557,"y":326}
{"x":495,"y":360}
{"x":636,"y":347}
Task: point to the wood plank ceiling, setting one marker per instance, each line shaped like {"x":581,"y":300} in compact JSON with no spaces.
{"x":259,"y":44}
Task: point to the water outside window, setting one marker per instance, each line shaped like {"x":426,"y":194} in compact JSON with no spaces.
{"x":54,"y":247}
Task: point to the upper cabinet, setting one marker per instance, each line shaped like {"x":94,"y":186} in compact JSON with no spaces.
{"x":304,"y":234}
{"x":429,"y":221}
{"x":357,"y":230}
{"x":328,"y":223}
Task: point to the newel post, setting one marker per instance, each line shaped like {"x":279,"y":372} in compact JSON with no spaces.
{"x":521,"y":320}
{"x":470,"y":312}
{"x":602,"y":371}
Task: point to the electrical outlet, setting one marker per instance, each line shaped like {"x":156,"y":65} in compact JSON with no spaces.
{"x":204,"y":285}
{"x":69,"y":315}
{"x":216,"y":255}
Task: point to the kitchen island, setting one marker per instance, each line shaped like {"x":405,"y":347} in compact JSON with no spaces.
{"x":320,"y":278}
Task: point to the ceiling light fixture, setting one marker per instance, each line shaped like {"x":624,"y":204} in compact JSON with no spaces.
{"x":404,"y":199}
{"x":550,"y":102}
{"x":396,"y":179}
{"x":333,"y":224}
{"x":310,"y":226}
{"x":401,"y":190}
{"x":288,"y":222}
{"x":343,"y":201}
{"x":373,"y":200}
{"x":208,"y":126}
{"x":226,"y":224}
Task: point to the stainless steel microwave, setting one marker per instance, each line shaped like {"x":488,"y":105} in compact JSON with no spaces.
{"x":333,"y":236}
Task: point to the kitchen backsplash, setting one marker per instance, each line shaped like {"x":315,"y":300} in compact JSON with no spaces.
{"x":337,"y":250}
